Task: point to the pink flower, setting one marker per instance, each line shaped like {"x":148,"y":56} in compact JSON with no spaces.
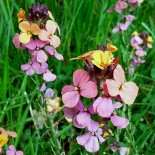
{"x":124,"y":26}
{"x":31,"y":67}
{"x":82,"y":86}
{"x":105,"y":108}
{"x":17,"y":43}
{"x":127,"y":90}
{"x":12,"y":151}
{"x":120,"y":27}
{"x":35,"y":47}
{"x":120,"y":5}
{"x":140,"y":52}
{"x":48,"y":76}
{"x":90,"y":140}
{"x":48,"y":34}
{"x":79,"y":114}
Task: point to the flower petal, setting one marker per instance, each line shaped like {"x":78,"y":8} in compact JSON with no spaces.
{"x":48,"y":76}
{"x":24,"y":38}
{"x":43,"y":35}
{"x":30,"y":71}
{"x":24,"y":26}
{"x":58,"y":56}
{"x":41,"y":56}
{"x":70,"y":99}
{"x":40,"y":43}
{"x":31,"y":45}
{"x":70,"y":112}
{"x":80,"y":77}
{"x":51,"y":26}
{"x":17,"y":43}
{"x":105,"y":108}
{"x":49,"y":93}
{"x":93,"y":126}
{"x":92,"y":144}
{"x":50,"y":50}
{"x":118,"y":74}
{"x":119,"y":122}
{"x":83,"y":118}
{"x":89,"y":89}
{"x":113,"y":87}
{"x":129,"y":92}
{"x":35,"y":29}
{"x":55,"y":41}
{"x":67,"y":88}
{"x":83,"y":139}
{"x":25,"y":66}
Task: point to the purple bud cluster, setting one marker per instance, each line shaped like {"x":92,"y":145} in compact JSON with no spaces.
{"x":38,"y":12}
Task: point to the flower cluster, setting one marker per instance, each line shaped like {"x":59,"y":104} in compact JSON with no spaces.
{"x":104,"y":83}
{"x":38,"y":37}
{"x":119,"y":6}
{"x":139,"y":41}
{"x":123,"y":4}
{"x":4,"y":138}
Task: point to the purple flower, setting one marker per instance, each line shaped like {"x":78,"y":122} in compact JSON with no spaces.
{"x":105,"y":108}
{"x":120,"y":27}
{"x":34,"y":47}
{"x":12,"y":151}
{"x":124,"y":26}
{"x":79,"y":114}
{"x":31,"y":67}
{"x":48,"y":76}
{"x":140,"y":52}
{"x":90,"y":140}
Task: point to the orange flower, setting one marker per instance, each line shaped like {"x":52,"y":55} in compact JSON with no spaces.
{"x":28,"y":30}
{"x":111,"y":47}
{"x":21,"y":15}
{"x":85,"y":56}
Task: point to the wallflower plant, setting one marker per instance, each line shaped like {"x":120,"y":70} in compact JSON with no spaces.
{"x":103,"y":83}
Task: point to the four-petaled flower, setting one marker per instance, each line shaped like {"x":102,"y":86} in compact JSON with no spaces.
{"x":90,"y":140}
{"x":27,"y":31}
{"x":48,"y":34}
{"x":82,"y":86}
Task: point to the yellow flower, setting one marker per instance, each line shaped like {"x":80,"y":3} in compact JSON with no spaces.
{"x":149,"y":39}
{"x":3,"y":140}
{"x":21,"y":15}
{"x":28,"y":30}
{"x":135,"y":33}
{"x":111,"y":47}
{"x":102,"y":59}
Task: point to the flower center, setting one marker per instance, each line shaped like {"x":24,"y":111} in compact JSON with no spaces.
{"x":85,"y":109}
{"x":121,"y":87}
{"x":93,"y":133}
{"x":37,"y":48}
{"x":50,"y":36}
{"x":76,"y":88}
{"x":29,"y":32}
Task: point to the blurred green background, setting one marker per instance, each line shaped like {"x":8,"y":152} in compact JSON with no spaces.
{"x":84,"y":24}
